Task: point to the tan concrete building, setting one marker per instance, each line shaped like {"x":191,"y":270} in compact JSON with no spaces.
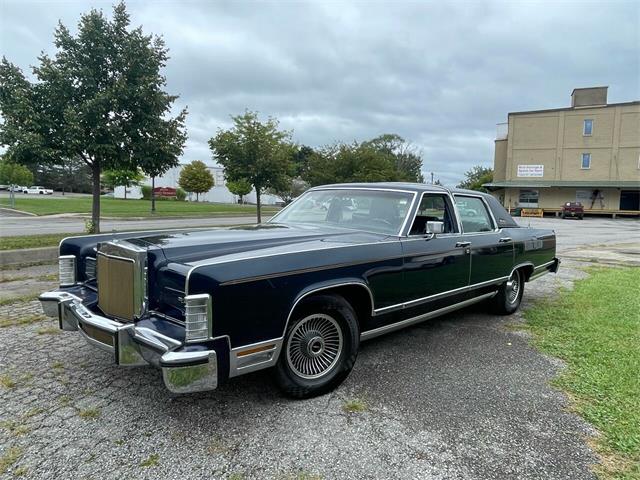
{"x":588,"y":152}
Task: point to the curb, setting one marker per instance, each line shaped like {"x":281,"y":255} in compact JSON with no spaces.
{"x":19,"y":213}
{"x":29,"y":255}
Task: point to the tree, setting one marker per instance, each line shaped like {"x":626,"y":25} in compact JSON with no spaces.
{"x":476,"y":177}
{"x":14,"y":174}
{"x":386,"y":158}
{"x":196,"y":178}
{"x":406,"y":157}
{"x":122,"y":178}
{"x":240,"y":187}
{"x":254,"y":151}
{"x":100,"y":98}
{"x":69,"y":175}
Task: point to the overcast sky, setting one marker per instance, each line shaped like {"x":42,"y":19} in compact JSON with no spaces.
{"x":440,"y":74}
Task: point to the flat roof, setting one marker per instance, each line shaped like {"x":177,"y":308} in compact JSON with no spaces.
{"x":584,"y":107}
{"x":564,"y":183}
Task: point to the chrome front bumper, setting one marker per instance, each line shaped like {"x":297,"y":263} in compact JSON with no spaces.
{"x":131,"y":345}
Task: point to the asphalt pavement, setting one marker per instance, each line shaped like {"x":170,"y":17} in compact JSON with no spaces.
{"x":464,"y":396}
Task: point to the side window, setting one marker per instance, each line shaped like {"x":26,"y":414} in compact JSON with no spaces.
{"x":473,"y":215}
{"x":433,"y":208}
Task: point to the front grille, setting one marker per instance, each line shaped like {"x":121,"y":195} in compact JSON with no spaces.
{"x":116,"y":286}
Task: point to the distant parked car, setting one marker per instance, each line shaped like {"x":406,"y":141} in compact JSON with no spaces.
{"x":37,"y":190}
{"x":4,"y":187}
{"x":573,"y":209}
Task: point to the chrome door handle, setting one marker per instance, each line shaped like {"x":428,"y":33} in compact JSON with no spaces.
{"x":504,"y":240}
{"x":463,"y":244}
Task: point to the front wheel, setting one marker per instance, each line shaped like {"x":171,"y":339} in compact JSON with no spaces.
{"x":509,"y":297}
{"x":320,"y":347}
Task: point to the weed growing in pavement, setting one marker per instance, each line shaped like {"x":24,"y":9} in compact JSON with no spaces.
{"x":89,"y":413}
{"x":152,"y":461}
{"x":354,"y":406}
{"x":9,"y":458}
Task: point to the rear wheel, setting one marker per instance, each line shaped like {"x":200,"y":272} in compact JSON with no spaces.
{"x":320,"y":347}
{"x":509,"y":297}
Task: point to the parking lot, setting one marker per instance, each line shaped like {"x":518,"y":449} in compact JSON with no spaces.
{"x":461,"y":396}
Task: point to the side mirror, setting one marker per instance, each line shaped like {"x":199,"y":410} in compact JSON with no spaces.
{"x":433,"y":228}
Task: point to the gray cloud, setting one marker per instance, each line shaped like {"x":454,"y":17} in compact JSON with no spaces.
{"x":440,"y":74}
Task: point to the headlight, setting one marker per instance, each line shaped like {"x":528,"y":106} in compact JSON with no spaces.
{"x":197,"y":317}
{"x":67,"y":270}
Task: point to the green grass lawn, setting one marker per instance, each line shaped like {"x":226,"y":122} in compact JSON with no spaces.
{"x":595,"y":329}
{"x":115,"y":207}
{"x":33,"y":241}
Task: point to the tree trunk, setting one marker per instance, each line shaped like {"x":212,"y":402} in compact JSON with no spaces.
{"x":95,"y":207}
{"x":153,"y":195}
{"x":258,"y":204}
{"x":125,"y":192}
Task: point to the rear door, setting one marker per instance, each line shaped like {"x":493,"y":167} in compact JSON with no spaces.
{"x":491,"y":250}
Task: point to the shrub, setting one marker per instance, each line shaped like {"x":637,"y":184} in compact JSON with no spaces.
{"x":146,"y":192}
{"x":181,"y":195}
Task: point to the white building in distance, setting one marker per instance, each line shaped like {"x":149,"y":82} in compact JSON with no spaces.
{"x":219,"y":193}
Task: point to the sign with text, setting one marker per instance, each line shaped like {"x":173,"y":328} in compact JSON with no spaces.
{"x":164,"y":192}
{"x":530,"y":170}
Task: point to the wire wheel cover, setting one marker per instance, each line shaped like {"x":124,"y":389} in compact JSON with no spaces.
{"x":314,"y":346}
{"x":513,"y":288}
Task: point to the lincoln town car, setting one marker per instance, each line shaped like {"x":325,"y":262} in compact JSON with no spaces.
{"x":340,"y":265}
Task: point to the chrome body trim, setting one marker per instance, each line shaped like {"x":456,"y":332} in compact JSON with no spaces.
{"x":130,"y":345}
{"x":376,"y":332}
{"x":260,"y":359}
{"x":437,"y":296}
{"x":543,"y":269}
{"x":326,"y":287}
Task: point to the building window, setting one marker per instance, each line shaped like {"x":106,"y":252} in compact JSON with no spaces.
{"x":587,"y":128}
{"x":528,"y":198}
{"x":586,"y":161}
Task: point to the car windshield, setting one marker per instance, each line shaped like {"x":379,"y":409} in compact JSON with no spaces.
{"x":379,"y":211}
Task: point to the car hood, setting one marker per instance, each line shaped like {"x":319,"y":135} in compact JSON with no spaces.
{"x":196,"y":246}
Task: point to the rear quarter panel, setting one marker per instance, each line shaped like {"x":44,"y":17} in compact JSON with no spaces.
{"x":533,"y":246}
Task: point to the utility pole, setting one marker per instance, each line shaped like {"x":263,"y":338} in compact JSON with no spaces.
{"x":431,"y":178}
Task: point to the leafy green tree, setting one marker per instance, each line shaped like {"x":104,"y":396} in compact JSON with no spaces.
{"x":100,"y":98}
{"x":476,"y":177}
{"x":69,"y":175}
{"x":254,"y":151}
{"x":12,"y":173}
{"x":405,"y":156}
{"x":196,"y":178}
{"x":122,"y":178}
{"x":385,"y":158}
{"x":240,"y":187}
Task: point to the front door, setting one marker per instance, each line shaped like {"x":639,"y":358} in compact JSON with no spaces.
{"x":434,"y":265}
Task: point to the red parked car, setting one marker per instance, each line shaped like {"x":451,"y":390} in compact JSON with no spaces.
{"x":573,"y":209}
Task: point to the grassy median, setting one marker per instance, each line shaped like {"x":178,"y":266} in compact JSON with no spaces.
{"x":595,"y":329}
{"x":116,"y":207}
{"x":33,"y":241}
